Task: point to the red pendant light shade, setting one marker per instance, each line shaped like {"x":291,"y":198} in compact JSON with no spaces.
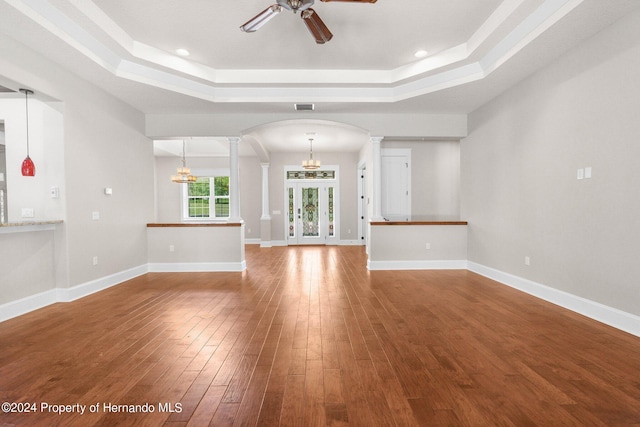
{"x":28,"y":168}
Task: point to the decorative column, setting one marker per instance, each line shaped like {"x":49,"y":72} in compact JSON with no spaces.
{"x":376,"y":175}
{"x":265,"y":191}
{"x":265,"y":219}
{"x":234,"y":175}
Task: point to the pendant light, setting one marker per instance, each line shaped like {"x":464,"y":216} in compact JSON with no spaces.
{"x":184,"y":173}
{"x":311,"y":164}
{"x":28,"y":168}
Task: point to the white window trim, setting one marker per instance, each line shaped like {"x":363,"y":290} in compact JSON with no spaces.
{"x":185,"y":195}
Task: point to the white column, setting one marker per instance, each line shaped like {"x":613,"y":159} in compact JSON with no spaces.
{"x":376,"y":175}
{"x":265,"y":191}
{"x":265,"y":219}
{"x":234,"y":174}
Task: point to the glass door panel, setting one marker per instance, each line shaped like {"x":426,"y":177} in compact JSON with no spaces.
{"x":310,"y":212}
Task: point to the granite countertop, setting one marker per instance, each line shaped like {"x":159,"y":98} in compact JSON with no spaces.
{"x":30,"y":223}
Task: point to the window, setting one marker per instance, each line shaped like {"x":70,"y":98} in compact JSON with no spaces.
{"x":207,"y":198}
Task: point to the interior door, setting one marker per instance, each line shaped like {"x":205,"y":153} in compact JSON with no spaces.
{"x":396,"y":195}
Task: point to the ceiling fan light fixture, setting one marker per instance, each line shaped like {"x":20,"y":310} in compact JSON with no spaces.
{"x":296,"y":5}
{"x":318,"y":29}
{"x":421,"y":53}
{"x":182,"y":52}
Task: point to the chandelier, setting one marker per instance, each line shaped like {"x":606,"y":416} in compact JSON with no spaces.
{"x":184,"y":173}
{"x":311,"y":164}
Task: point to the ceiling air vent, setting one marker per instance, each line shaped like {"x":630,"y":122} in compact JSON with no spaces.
{"x":304,"y":107}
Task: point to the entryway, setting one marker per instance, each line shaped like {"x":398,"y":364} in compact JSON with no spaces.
{"x":312,"y":207}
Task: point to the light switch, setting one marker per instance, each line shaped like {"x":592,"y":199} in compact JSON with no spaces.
{"x":587,"y":172}
{"x":108,"y":191}
{"x":95,"y":215}
{"x":580,"y":174}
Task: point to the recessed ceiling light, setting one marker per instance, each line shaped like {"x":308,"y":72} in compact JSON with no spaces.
{"x":182,"y":52}
{"x":421,"y":54}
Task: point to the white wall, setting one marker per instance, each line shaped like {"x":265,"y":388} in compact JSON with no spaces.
{"x":46,"y":149}
{"x":104,"y":146}
{"x":519,"y":188}
{"x":389,"y":125}
{"x":435,"y":177}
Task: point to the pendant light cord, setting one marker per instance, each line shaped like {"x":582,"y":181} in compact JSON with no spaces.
{"x":26,"y":108}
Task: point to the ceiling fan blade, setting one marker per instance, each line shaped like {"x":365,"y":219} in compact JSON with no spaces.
{"x":353,"y":1}
{"x":260,"y":19}
{"x":315,"y":25}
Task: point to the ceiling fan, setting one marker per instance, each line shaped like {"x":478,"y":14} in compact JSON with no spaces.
{"x":318,"y":29}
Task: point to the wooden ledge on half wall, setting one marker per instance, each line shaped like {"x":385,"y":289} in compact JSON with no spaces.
{"x":422,"y":220}
{"x":195,"y":224}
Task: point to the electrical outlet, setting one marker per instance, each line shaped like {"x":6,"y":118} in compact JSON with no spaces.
{"x":527,"y":260}
{"x":428,"y":246}
{"x":95,"y":215}
{"x":95,"y":260}
{"x":27,"y":213}
{"x":587,"y":172}
{"x":172,"y":248}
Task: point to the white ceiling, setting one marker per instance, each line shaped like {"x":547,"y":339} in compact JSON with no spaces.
{"x":477,"y":49}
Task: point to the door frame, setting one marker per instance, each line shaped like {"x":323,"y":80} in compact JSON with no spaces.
{"x":363,"y":205}
{"x":405,"y":155}
{"x":330,"y":240}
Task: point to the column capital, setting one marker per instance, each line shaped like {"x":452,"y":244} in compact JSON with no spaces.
{"x":376,"y":139}
{"x":234,"y":139}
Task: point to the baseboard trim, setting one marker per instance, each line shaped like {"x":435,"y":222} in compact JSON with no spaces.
{"x":350,"y":243}
{"x":25,"y":305}
{"x":418,"y":265}
{"x":186,"y":267}
{"x":52,"y":296}
{"x":613,"y":317}
{"x":88,"y":288}
{"x":608,"y":315}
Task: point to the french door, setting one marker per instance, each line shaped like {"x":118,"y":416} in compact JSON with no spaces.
{"x":312,"y":207}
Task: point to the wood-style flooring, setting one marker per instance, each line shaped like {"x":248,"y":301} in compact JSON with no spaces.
{"x":308,"y":337}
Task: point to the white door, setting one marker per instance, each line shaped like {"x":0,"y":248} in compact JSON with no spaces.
{"x":312,"y":208}
{"x":396,"y":185}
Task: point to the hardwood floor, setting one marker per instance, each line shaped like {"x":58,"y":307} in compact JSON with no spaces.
{"x":308,"y":337}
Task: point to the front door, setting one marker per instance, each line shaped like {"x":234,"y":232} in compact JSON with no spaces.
{"x":312,"y":208}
